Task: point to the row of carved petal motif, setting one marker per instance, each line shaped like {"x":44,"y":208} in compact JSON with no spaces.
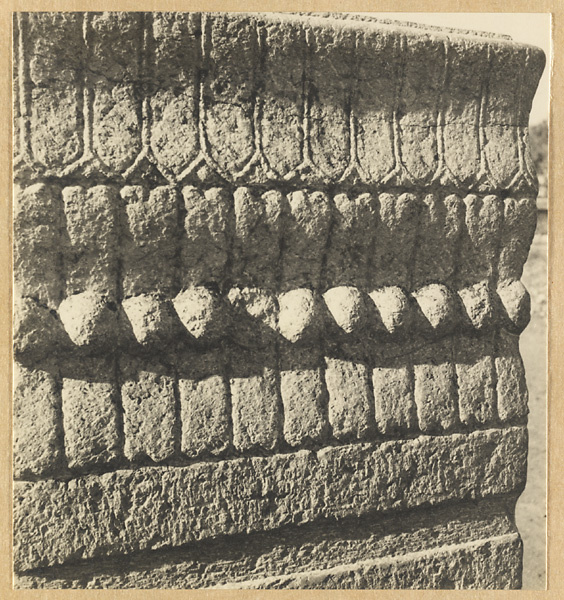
{"x":253,"y":317}
{"x":388,"y":107}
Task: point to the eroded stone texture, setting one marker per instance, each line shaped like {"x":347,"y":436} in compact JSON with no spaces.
{"x":91,"y":258}
{"x":55,"y":56}
{"x":37,"y":422}
{"x":297,"y":550}
{"x":393,"y":384}
{"x":267,"y":283}
{"x":90,"y":413}
{"x":304,"y":395}
{"x":256,"y":406}
{"x":208,"y":225}
{"x":151,"y":241}
{"x":492,"y":564}
{"x":259,"y":493}
{"x":204,"y":403}
{"x":476,"y":377}
{"x":115,"y":81}
{"x":174,"y":102}
{"x":38,"y":224}
{"x":149,"y":409}
{"x":229,"y":88}
{"x":512,"y":394}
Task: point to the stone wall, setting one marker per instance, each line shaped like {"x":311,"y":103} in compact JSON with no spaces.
{"x":267,"y":301}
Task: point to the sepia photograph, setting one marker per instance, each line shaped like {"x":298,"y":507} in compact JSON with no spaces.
{"x":280,"y":300}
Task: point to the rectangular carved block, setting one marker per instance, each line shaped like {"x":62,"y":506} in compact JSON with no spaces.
{"x":38,"y":220}
{"x":38,"y":432}
{"x":91,"y":259}
{"x":350,"y":399}
{"x":149,"y":409}
{"x":304,"y":395}
{"x":256,"y":405}
{"x":475,"y":375}
{"x":512,"y":394}
{"x":393,"y":384}
{"x":204,"y":403}
{"x":435,"y":391}
{"x":90,"y":414}
{"x":151,"y":241}
{"x":298,"y":552}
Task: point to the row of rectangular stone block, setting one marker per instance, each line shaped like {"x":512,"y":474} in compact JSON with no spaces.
{"x":101,"y":413}
{"x":127,"y":511}
{"x":259,"y":98}
{"x":122,"y":243}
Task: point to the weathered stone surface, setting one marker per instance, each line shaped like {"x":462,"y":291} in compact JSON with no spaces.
{"x":37,"y":331}
{"x":395,"y":242}
{"x":300,"y":315}
{"x":255,"y":399}
{"x":393,"y":385}
{"x":353,"y":230}
{"x":350,"y":407}
{"x":37,"y":422}
{"x":153,"y":322}
{"x":258,"y":226}
{"x":437,"y":256}
{"x":490,"y":564}
{"x":208,"y":225}
{"x":374,"y":102}
{"x":392,"y":309}
{"x":114,"y":77}
{"x":38,"y":220}
{"x":295,"y":550}
{"x":150,"y":240}
{"x":91,"y":256}
{"x":254,"y":317}
{"x":512,"y":394}
{"x":434,"y":387}
{"x":348,"y":308}
{"x":502,"y":115}
{"x":329,"y":122}
{"x":155,"y":507}
{"x":211,"y":301}
{"x":174,"y":101}
{"x":282,"y":97}
{"x":478,"y":257}
{"x":476,"y":379}
{"x":462,"y":106}
{"x":89,"y":319}
{"x":205,"y":403}
{"x":304,"y":395}
{"x":202,"y":313}
{"x":149,"y":409}
{"x":90,"y":414}
{"x":401,"y":105}
{"x":519,"y":225}
{"x":229,"y":86}
{"x":423,"y":78}
{"x":56,"y":55}
{"x":305,"y":239}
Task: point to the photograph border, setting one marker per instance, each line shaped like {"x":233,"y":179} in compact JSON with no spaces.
{"x":555,"y":376}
